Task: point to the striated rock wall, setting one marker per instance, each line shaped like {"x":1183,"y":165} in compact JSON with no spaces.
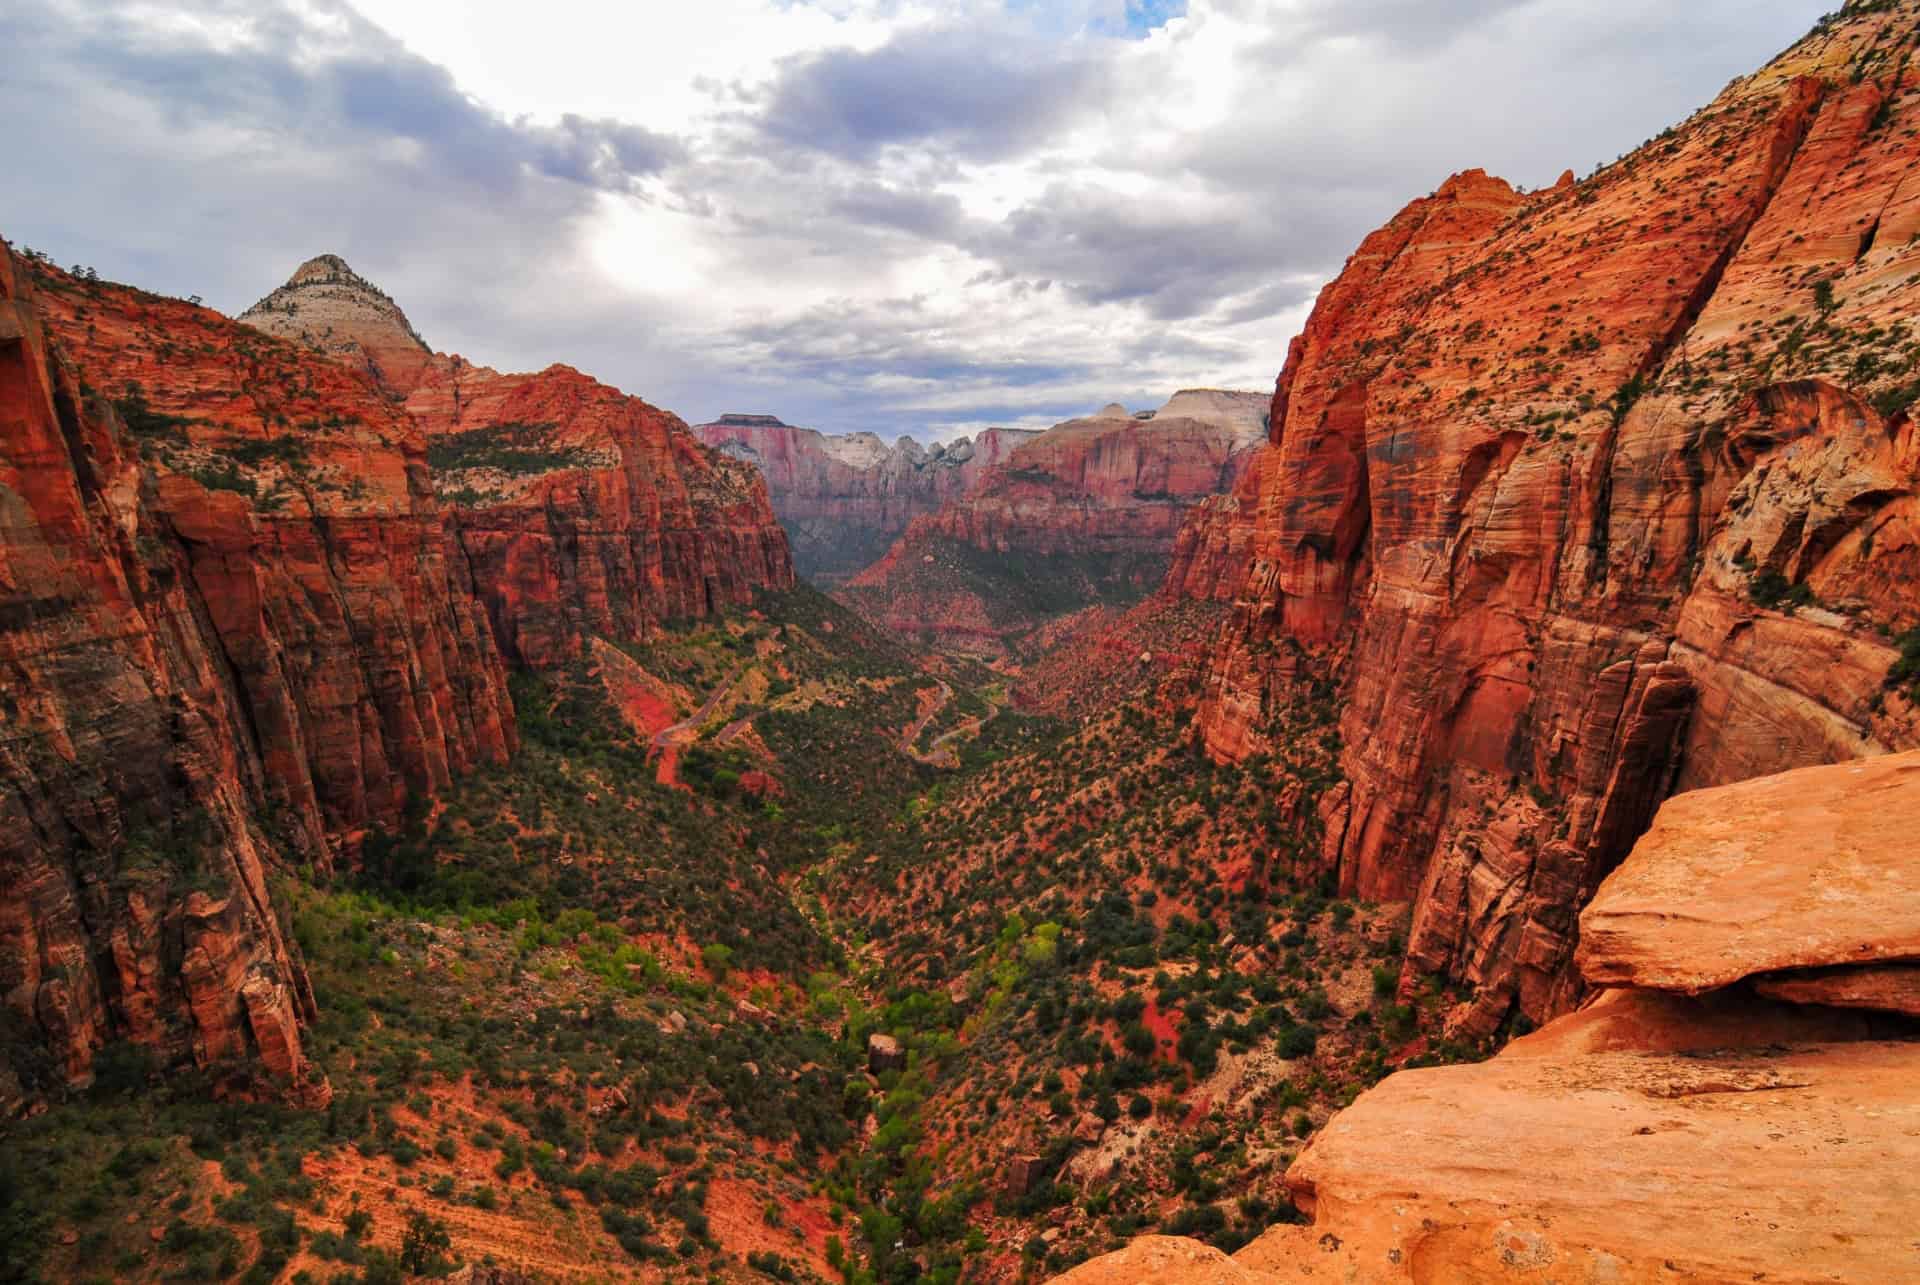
{"x":577,"y":510}
{"x":585,"y":512}
{"x":241,"y":624}
{"x":1088,"y":510}
{"x":1592,"y":495}
{"x":1106,"y":484}
{"x":229,"y":630}
{"x":317,"y":554}
{"x":844,"y":499}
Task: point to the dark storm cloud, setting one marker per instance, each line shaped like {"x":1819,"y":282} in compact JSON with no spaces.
{"x":212,"y":156}
{"x":852,"y":345}
{"x":1174,"y":259}
{"x":1412,"y":24}
{"x":982,"y":92}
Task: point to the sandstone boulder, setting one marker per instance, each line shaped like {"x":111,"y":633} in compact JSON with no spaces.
{"x":1660,"y":1022}
{"x":1892,"y":988}
{"x":1164,"y":1260}
{"x":1766,"y":1164}
{"x":1808,"y":869}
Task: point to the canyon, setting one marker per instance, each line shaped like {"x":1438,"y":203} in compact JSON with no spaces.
{"x":844,"y":498}
{"x":1084,"y":513}
{"x":1447,"y":819}
{"x":261,"y":602}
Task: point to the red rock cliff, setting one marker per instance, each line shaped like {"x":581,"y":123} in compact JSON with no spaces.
{"x":229,"y":630}
{"x":577,"y":509}
{"x":844,"y":499}
{"x":1593,"y":495}
{"x":1087,"y":509}
{"x":586,"y":512}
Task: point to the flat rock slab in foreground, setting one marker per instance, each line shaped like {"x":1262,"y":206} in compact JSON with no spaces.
{"x":1165,"y":1260}
{"x":1801,"y":1165}
{"x":1807,"y":869}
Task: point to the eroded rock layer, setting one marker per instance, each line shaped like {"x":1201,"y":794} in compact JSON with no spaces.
{"x":1595,"y":494}
{"x":584,"y":512}
{"x":231,"y":632}
{"x":1087,"y":511}
{"x":580,"y":511}
{"x":844,"y":498}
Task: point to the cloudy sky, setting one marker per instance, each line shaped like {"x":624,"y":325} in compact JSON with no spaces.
{"x":904,"y":215}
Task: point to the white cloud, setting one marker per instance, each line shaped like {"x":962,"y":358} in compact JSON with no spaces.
{"x":903,"y":215}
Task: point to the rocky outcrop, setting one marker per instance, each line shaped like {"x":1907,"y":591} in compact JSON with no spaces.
{"x":327,"y":306}
{"x":1810,"y":870}
{"x":578,"y":511}
{"x":584,"y":512}
{"x":844,"y":498}
{"x":1591,"y":495}
{"x":1654,"y":1134}
{"x":1086,"y":512}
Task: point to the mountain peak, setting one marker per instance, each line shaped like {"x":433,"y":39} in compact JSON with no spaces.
{"x":325,"y":268}
{"x":329,"y":307}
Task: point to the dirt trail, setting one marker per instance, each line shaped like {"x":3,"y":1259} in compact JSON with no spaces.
{"x":669,"y":740}
{"x":927,"y":715}
{"x":937,"y":753}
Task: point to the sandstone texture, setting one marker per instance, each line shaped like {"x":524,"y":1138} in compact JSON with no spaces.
{"x":1592,"y":495}
{"x":578,"y":510}
{"x":230,"y":636}
{"x":844,"y":498}
{"x":1756,"y":1164}
{"x":1086,"y":512}
{"x":586,"y":512}
{"x":1805,"y":870}
{"x":327,"y":306}
{"x":257,"y":600}
{"x":1892,"y":988}
{"x":1174,"y":1260}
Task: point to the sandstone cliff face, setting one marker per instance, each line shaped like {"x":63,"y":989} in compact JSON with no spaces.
{"x":318,"y":556}
{"x":1087,"y":511}
{"x":1593,"y":495}
{"x":577,"y":510}
{"x":584,"y":512}
{"x":843,"y":499}
{"x":230,"y":631}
